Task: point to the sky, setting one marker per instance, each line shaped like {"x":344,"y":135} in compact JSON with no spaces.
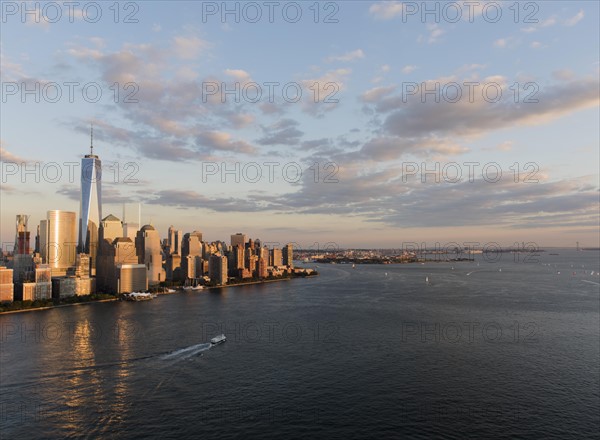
{"x":350,"y":124}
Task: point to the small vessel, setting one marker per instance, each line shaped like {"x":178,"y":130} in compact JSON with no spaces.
{"x":353,"y":266}
{"x":138,"y":296}
{"x":218,"y":339}
{"x":189,"y":285}
{"x":427,"y":280}
{"x":500,"y":270}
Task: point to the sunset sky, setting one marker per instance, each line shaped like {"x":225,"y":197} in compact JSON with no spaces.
{"x":373,"y":58}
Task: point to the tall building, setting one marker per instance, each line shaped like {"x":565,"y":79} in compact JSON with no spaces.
{"x":90,"y":208}
{"x":6,"y":285}
{"x":147,"y":244}
{"x":112,"y":227}
{"x":191,"y":247}
{"x":217,"y":269}
{"x":237,"y":258}
{"x":58,"y":241}
{"x":238,"y":239}
{"x":261,"y":268}
{"x":263,"y":252}
{"x":276,"y":257}
{"x":111,"y":254}
{"x":22,"y":236}
{"x":22,"y":258}
{"x":174,"y":238}
{"x":130,"y":228}
{"x":288,"y":255}
{"x":173,"y":267}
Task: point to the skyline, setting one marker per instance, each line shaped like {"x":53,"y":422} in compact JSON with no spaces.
{"x":379,"y":128}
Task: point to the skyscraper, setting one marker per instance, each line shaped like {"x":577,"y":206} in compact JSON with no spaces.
{"x":22,"y":235}
{"x":238,"y":238}
{"x":90,"y":208}
{"x":217,"y":269}
{"x":174,"y":240}
{"x":288,"y":255}
{"x":147,"y":243}
{"x":59,"y":241}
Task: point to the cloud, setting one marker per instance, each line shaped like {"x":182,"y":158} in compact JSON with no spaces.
{"x":241,"y":120}
{"x":377,"y":93}
{"x":409,"y":69}
{"x":110,"y":194}
{"x":349,"y":56}
{"x":435,"y":32}
{"x":10,"y":71}
{"x":501,"y":42}
{"x":8,"y":189}
{"x":504,"y":146}
{"x":188,"y":48}
{"x":389,"y":148}
{"x":386,"y":10}
{"x":221,"y":141}
{"x":7,"y":156}
{"x":193,"y":200}
{"x":575,"y":19}
{"x":551,"y":21}
{"x":384,"y":196}
{"x":325,"y":91}
{"x":316,"y":144}
{"x":283,"y":132}
{"x":238,"y":74}
{"x":412,"y":116}
{"x":563,"y":74}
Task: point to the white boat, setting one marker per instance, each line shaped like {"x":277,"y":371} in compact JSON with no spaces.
{"x":218,"y":339}
{"x":138,"y":296}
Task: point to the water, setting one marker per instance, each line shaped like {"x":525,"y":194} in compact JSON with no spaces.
{"x":474,"y":353}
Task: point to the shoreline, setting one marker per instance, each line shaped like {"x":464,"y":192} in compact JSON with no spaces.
{"x":34,"y":309}
{"x":247,"y":284}
{"x":178,"y":290}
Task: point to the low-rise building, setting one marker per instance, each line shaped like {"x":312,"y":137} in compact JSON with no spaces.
{"x":131,"y":278}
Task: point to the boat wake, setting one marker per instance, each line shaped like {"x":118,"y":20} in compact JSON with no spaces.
{"x":591,"y":282}
{"x":187,"y":352}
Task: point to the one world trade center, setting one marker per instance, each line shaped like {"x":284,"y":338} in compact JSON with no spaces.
{"x":90,"y":208}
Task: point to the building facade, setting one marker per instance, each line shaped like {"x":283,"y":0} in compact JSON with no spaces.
{"x":217,"y":269}
{"x":147,"y":243}
{"x":59,"y":241}
{"x":90,"y":206}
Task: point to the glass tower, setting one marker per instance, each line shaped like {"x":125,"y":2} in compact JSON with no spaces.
{"x":90,"y":208}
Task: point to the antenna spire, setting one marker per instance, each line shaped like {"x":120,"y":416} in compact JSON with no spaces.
{"x":92,"y":138}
